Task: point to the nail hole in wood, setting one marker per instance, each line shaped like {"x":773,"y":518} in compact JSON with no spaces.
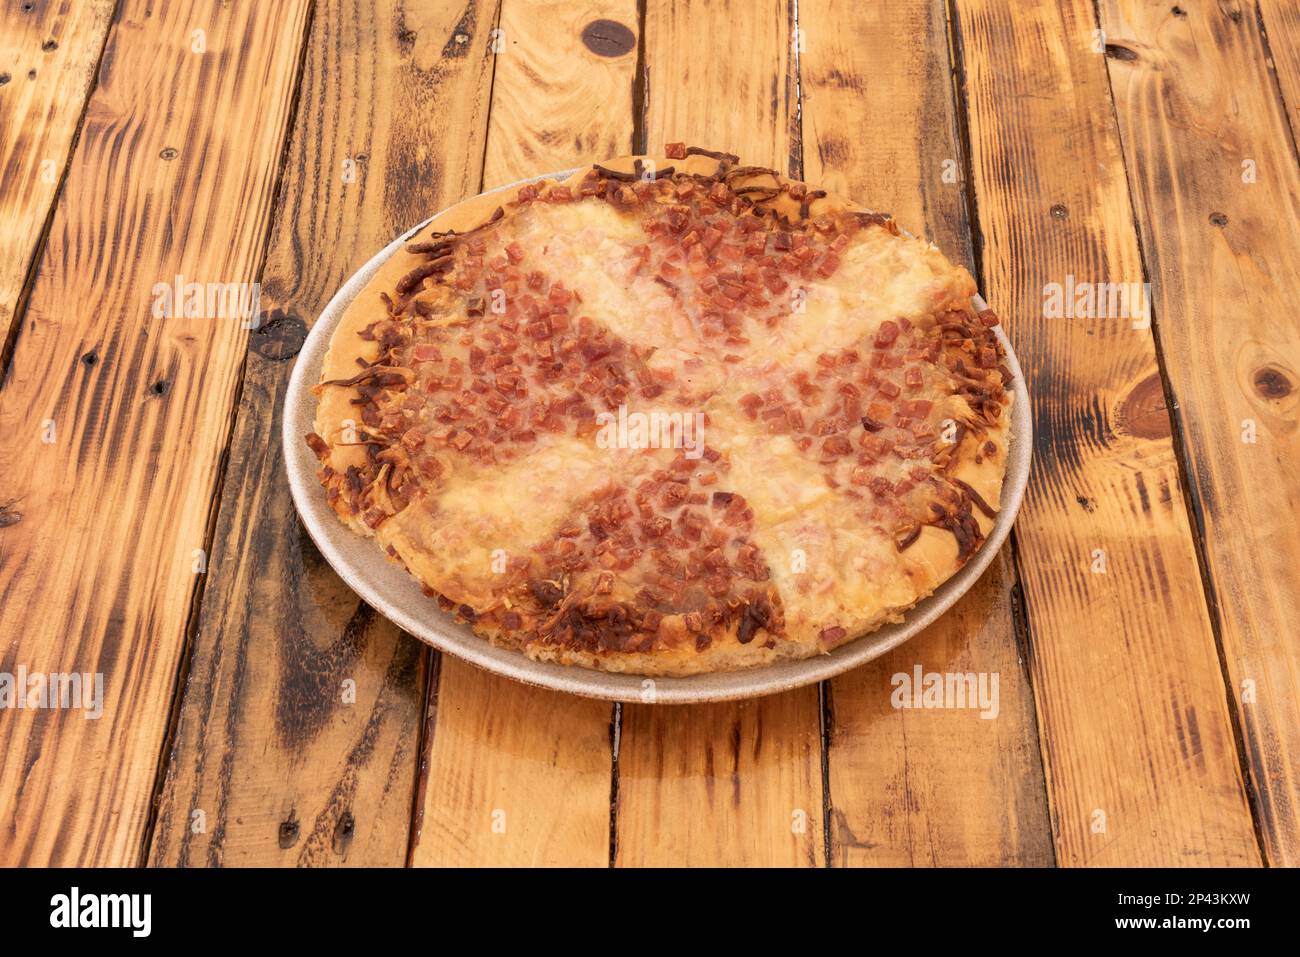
{"x":1059,"y":211}
{"x":50,"y":45}
{"x":1219,"y":219}
{"x":90,"y":358}
{"x":1117,"y":52}
{"x":168,"y":153}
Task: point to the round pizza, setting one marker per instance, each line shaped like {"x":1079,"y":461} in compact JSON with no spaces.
{"x":669,"y":415}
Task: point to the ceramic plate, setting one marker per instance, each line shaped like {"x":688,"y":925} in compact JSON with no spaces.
{"x":393,"y":592}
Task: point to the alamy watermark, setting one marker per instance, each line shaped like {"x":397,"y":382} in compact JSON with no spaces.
{"x":1078,"y":299}
{"x":56,"y":690}
{"x":187,"y":299}
{"x":133,"y":912}
{"x":951,"y":689}
{"x":651,"y":430}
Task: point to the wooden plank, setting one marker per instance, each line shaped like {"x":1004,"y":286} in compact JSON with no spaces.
{"x":933,"y":787}
{"x":563,"y":88}
{"x":298,"y":734}
{"x":104,"y":516}
{"x":518,"y":775}
{"x":1280,"y":22}
{"x":48,"y":54}
{"x":1226,"y":280}
{"x":737,"y":783}
{"x":1138,"y":743}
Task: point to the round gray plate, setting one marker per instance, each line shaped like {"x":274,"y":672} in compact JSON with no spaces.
{"x":394,"y":593}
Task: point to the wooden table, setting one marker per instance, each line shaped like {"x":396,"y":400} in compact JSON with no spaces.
{"x":1144,"y":624}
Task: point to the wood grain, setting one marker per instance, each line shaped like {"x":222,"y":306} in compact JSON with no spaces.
{"x":299,"y":730}
{"x":1226,"y":284}
{"x":557,"y":101}
{"x":520,"y":775}
{"x":1141,"y":762}
{"x":719,"y":73}
{"x":48,"y":54}
{"x":97,"y":572}
{"x":726,"y":784}
{"x":1280,"y":21}
{"x":933,"y":787}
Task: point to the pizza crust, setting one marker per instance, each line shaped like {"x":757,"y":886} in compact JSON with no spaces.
{"x":433,"y":538}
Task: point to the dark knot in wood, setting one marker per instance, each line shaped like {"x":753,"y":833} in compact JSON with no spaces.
{"x":608,"y":38}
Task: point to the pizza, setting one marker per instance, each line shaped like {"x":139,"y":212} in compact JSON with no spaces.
{"x":670,"y":415}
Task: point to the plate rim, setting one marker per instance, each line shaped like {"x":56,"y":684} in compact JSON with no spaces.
{"x":441,"y":632}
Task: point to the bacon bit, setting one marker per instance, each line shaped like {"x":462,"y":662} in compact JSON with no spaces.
{"x":422,"y":272}
{"x":889,"y":389}
{"x":725,"y":158}
{"x":809,"y":198}
{"x":515,"y":253}
{"x":908,"y":538}
{"x":751,"y":621}
{"x":975,"y":498}
{"x":828,"y":265}
{"x":676,"y":151}
{"x":439,"y":246}
{"x":614,"y":174}
{"x":988,"y":318}
{"x":833,"y":634}
{"x":424,"y":352}
{"x":886,"y":334}
{"x":547,"y":592}
{"x":318,"y":445}
{"x":836,"y":445}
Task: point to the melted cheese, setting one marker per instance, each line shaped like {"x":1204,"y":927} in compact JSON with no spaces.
{"x":588,"y":246}
{"x":490,"y":516}
{"x":880,"y":277}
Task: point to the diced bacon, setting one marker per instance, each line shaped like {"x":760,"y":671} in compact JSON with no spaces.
{"x":886,"y":334}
